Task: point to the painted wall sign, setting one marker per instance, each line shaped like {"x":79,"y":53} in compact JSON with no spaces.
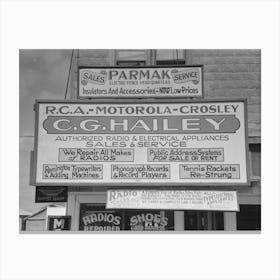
{"x":152,"y":143}
{"x":96,"y":218}
{"x":59,"y":223}
{"x":176,"y":81}
{"x":146,"y":221}
{"x":51,"y":194}
{"x":180,"y":200}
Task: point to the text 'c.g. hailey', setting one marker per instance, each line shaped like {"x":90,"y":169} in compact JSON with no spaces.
{"x":143,"y":125}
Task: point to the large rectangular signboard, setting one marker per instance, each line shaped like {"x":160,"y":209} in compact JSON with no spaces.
{"x":175,"y":81}
{"x":151,"y":143}
{"x":168,"y":199}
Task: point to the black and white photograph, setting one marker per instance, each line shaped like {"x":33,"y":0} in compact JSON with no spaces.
{"x":141,"y":139}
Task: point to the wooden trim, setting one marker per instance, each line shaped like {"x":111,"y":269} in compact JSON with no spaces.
{"x":71,"y":209}
{"x":249,"y":199}
{"x":230,"y":221}
{"x":254,"y":139}
{"x":179,"y":222}
{"x":74,"y":201}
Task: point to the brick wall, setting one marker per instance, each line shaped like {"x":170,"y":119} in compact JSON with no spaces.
{"x":233,"y":73}
{"x":227,"y":74}
{"x":89,"y":58}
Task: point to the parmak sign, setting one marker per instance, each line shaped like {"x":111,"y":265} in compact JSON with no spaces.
{"x":177,"y":81}
{"x":150,"y":143}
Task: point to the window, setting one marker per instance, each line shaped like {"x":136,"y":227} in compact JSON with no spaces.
{"x":249,"y":217}
{"x":130,"y":58}
{"x":170,"y":57}
{"x":204,"y":220}
{"x":171,"y":62}
{"x":150,"y":220}
{"x":95,"y":217}
{"x":131,"y":63}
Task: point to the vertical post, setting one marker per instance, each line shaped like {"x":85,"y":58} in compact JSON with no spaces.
{"x":74,"y":76}
{"x":115,"y":57}
{"x":179,"y":223}
{"x":209,"y":221}
{"x":151,"y":57}
{"x":71,"y":211}
{"x":230,"y":221}
{"x":187,"y":57}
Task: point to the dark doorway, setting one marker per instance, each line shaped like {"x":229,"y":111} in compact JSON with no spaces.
{"x":249,"y":217}
{"x":204,"y":220}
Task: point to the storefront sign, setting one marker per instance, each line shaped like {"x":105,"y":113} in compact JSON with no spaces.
{"x":177,"y":200}
{"x":51,"y":194}
{"x":94,"y":217}
{"x":97,"y":218}
{"x":146,"y":221}
{"x":59,"y":222}
{"x":163,"y":143}
{"x":176,"y":81}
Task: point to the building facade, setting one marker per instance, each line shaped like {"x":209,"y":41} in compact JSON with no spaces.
{"x":227,"y":74}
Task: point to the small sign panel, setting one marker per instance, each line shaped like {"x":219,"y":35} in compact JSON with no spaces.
{"x":97,"y":218}
{"x":51,"y":194}
{"x":59,"y":223}
{"x":172,"y":143}
{"x":177,"y":200}
{"x":176,"y":81}
{"x":148,"y":220}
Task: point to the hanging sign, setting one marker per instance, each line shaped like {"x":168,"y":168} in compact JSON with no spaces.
{"x":151,"y":143}
{"x":59,"y":223}
{"x":177,"y":200}
{"x":175,"y":81}
{"x":51,"y":194}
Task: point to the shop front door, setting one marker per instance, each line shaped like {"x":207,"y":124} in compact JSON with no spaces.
{"x":203,"y":220}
